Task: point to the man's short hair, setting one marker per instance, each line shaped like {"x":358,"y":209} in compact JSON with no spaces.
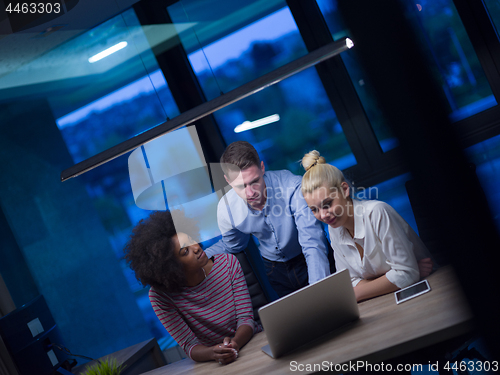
{"x":239,"y":155}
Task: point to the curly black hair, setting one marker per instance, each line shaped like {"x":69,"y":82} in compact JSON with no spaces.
{"x":149,"y":251}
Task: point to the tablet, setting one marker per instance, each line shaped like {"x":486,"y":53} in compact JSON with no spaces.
{"x":412,"y":291}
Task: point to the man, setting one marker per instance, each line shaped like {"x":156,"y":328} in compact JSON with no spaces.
{"x":270,"y":206}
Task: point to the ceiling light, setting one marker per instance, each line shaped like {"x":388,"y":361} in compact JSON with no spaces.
{"x":185,"y":118}
{"x":247,"y":125}
{"x":107,"y":52}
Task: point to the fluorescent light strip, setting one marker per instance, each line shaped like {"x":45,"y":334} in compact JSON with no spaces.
{"x":247,"y":125}
{"x":107,"y":52}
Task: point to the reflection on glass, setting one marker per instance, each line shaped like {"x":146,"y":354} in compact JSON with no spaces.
{"x":241,"y":52}
{"x":359,"y":79}
{"x":115,"y":117}
{"x":455,"y":63}
{"x":493,"y":7}
{"x":394,"y":193}
{"x":283,"y":121}
{"x":129,"y":93}
{"x":306,"y":122}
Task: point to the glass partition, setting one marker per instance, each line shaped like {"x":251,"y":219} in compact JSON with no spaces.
{"x":358,"y":77}
{"x":287,"y":120}
{"x":454,"y":62}
{"x":283,"y":121}
{"x":104,"y":86}
{"x":129,"y":94}
{"x":249,"y":47}
{"x":493,"y":8}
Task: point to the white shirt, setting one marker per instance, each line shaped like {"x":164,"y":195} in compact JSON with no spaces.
{"x":391,"y":246}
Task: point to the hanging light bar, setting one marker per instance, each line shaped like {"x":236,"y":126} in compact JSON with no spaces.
{"x":107,"y":52}
{"x":207,"y":108}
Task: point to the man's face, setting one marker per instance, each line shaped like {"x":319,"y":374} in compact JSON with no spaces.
{"x":249,"y":185}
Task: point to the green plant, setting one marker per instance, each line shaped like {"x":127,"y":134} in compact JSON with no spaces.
{"x":106,"y":367}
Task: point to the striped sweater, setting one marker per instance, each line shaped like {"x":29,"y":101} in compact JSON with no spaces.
{"x":210,"y":311}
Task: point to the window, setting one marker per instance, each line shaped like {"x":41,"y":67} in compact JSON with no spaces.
{"x":493,"y":8}
{"x":129,"y":97}
{"x":455,"y":63}
{"x":300,"y":114}
{"x":358,"y":77}
{"x":486,"y":157}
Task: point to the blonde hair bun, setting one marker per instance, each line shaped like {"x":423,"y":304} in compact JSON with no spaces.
{"x":311,"y":159}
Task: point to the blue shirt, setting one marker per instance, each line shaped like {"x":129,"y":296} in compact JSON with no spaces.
{"x":284,"y":228}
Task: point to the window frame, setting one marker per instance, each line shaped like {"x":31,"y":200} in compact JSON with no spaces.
{"x":373,"y":165}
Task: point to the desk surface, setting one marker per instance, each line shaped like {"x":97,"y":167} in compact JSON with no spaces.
{"x":384,"y":330}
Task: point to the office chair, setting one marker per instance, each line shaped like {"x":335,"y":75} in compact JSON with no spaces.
{"x":257,"y":295}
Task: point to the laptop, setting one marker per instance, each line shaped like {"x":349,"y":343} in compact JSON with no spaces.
{"x":308,"y":313}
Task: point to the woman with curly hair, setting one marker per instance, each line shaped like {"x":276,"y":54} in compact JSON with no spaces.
{"x":203,"y":303}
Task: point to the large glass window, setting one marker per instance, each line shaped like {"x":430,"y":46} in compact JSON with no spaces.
{"x":486,"y":157}
{"x":359,"y":79}
{"x":283,"y":121}
{"x":455,"y":63}
{"x":129,"y":95}
{"x":493,"y":7}
{"x":297,"y":118}
{"x":240,"y":44}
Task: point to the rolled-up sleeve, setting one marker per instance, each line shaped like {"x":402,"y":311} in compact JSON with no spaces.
{"x":173,"y":322}
{"x":396,"y":246}
{"x":311,"y":238}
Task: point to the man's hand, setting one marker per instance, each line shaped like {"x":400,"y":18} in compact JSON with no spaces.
{"x":425,"y":267}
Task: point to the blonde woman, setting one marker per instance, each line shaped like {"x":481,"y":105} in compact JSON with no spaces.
{"x":369,"y":238}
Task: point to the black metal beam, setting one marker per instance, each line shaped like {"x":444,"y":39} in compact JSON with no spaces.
{"x":338,"y":86}
{"x":180,"y":77}
{"x":209,"y":107}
